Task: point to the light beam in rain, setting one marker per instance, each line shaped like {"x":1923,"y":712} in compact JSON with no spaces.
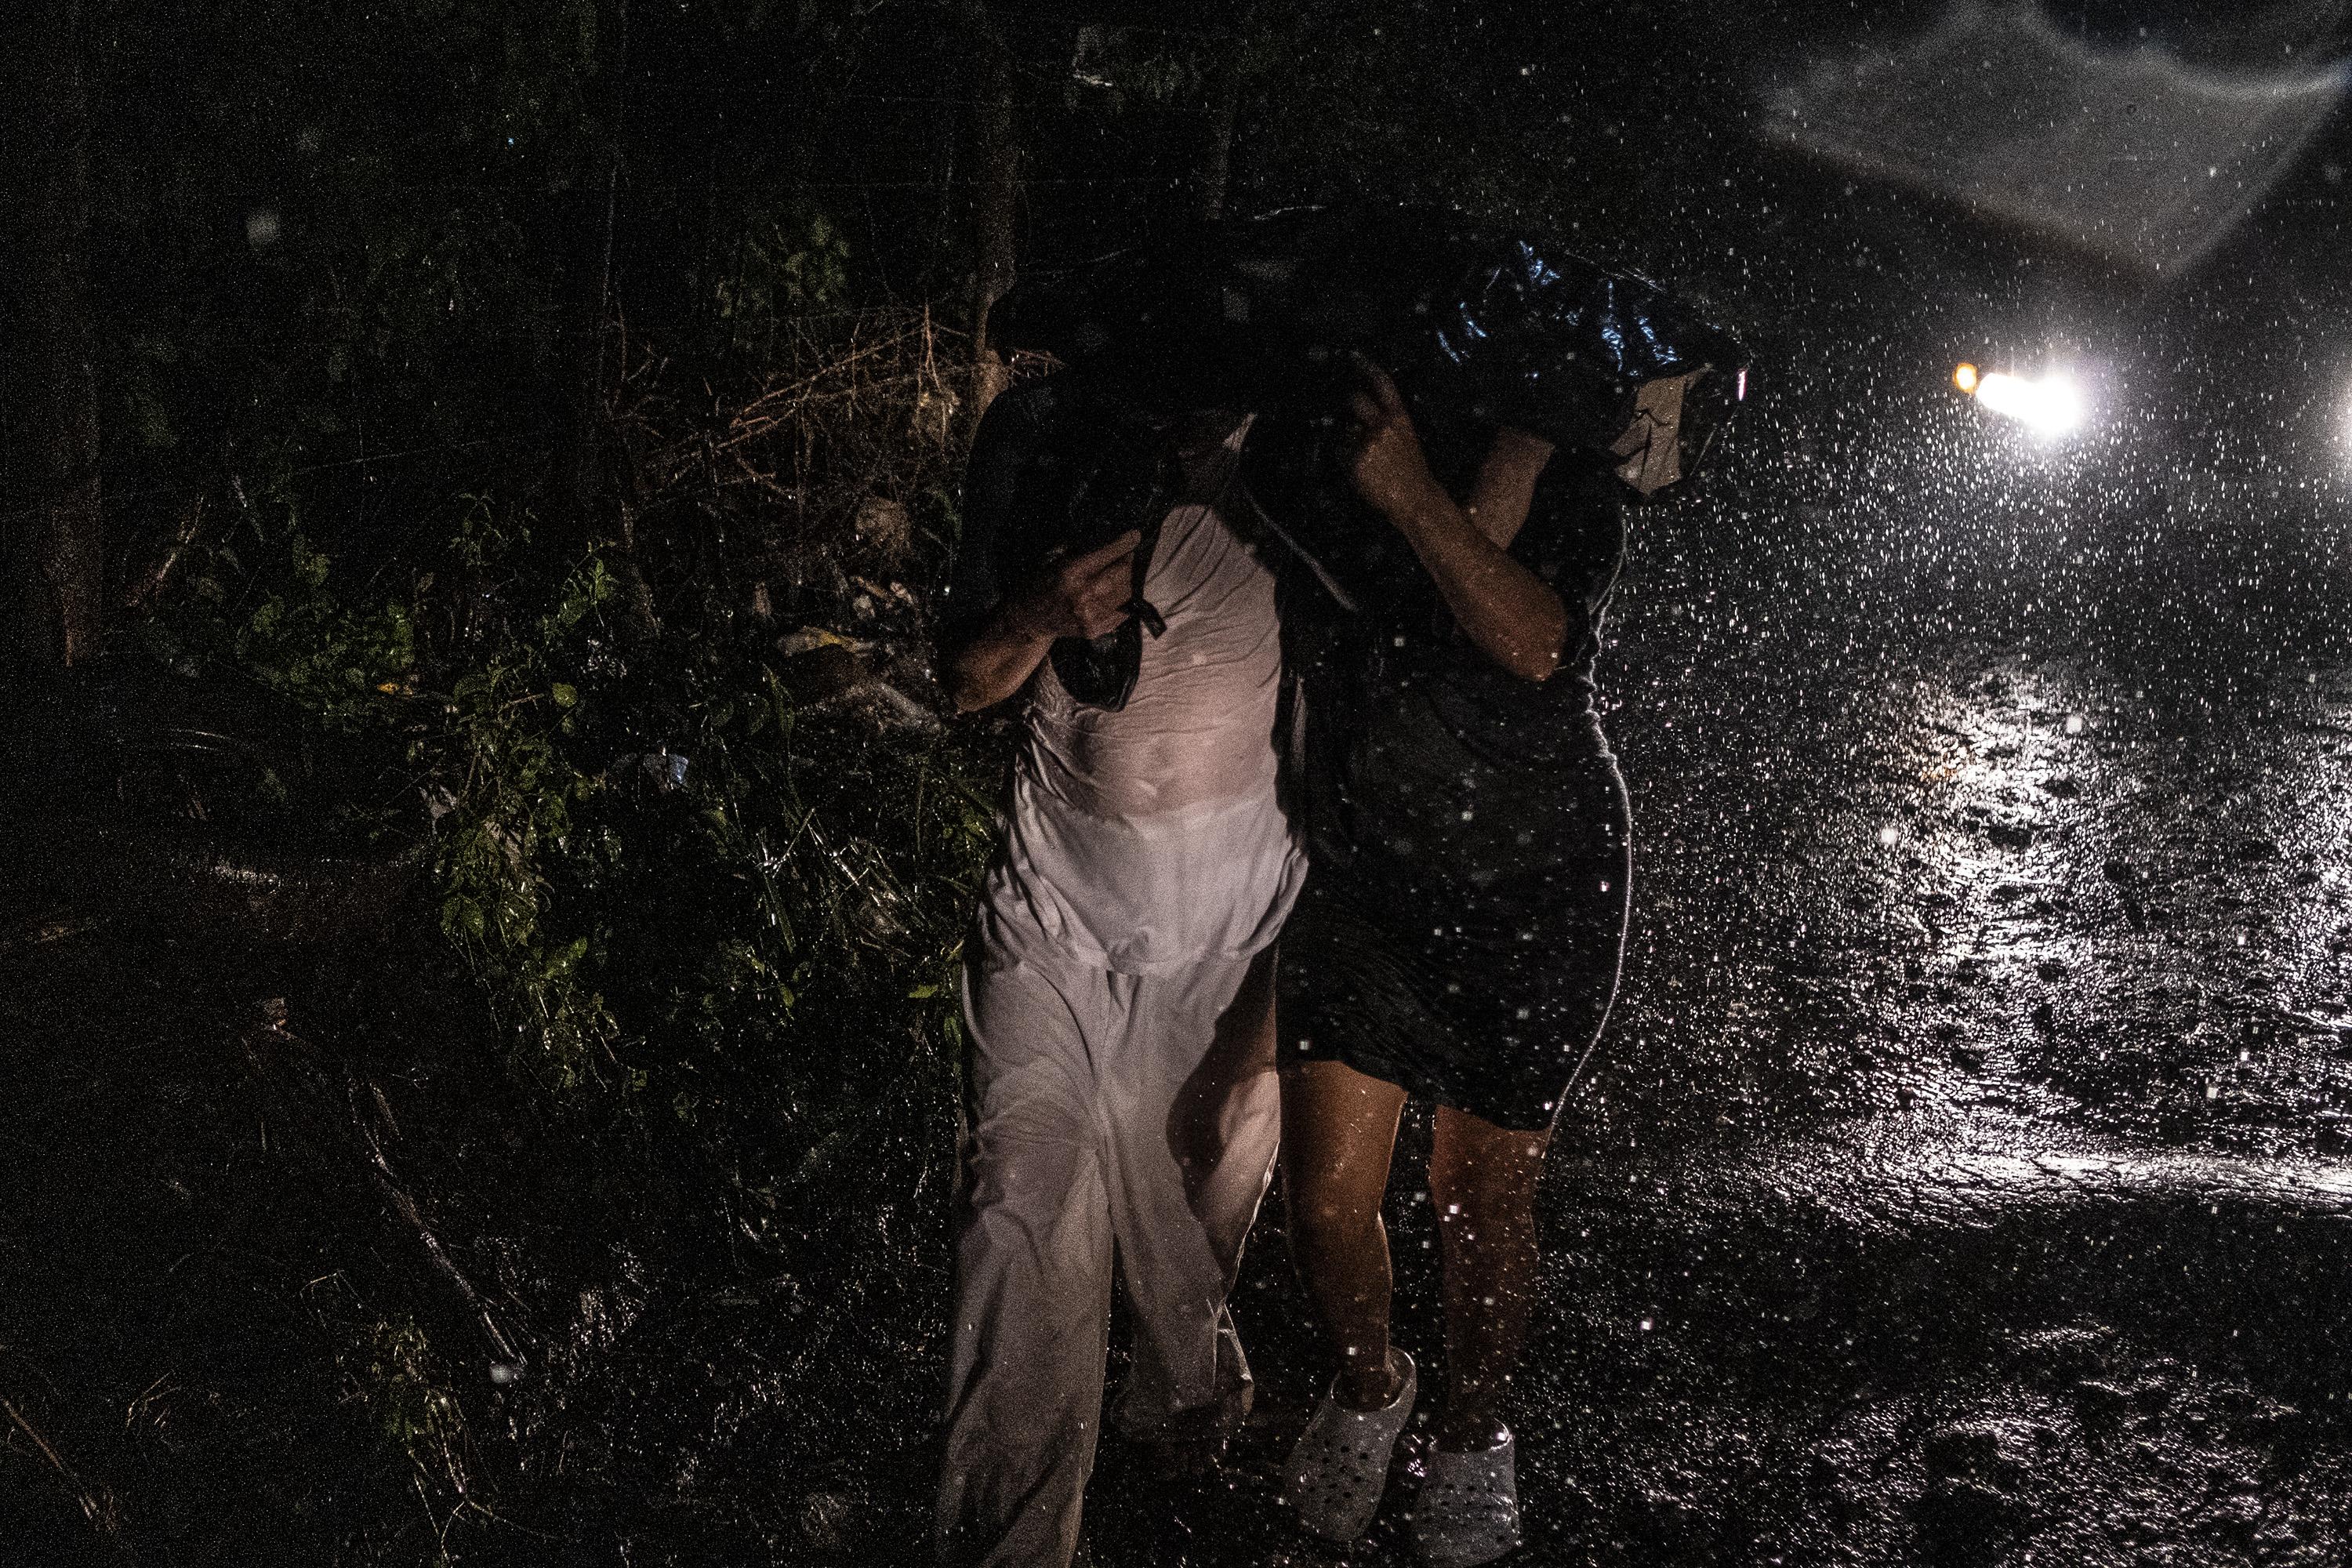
{"x":2132,"y":153}
{"x":2049,"y":406}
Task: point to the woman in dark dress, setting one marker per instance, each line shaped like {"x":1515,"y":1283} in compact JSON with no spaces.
{"x":1459,"y":938}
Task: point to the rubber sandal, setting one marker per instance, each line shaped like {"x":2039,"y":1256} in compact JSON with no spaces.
{"x":1468,"y":1510}
{"x":1340,"y":1466}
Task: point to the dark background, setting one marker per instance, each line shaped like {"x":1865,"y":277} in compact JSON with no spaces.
{"x":476,"y":1074}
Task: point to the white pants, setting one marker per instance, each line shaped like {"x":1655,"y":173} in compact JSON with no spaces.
{"x":1105,"y":1113}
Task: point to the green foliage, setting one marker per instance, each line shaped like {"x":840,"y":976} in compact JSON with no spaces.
{"x":680,"y":887}
{"x":507,"y":790}
{"x":779,"y":270}
{"x":489,"y":750}
{"x":263,"y":598}
{"x":395,"y":1375}
{"x":339,"y":660}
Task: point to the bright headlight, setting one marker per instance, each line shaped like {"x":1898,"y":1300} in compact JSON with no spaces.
{"x":2048,"y":407}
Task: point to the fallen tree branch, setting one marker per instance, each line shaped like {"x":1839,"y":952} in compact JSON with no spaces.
{"x":510,"y":1361}
{"x":98,"y":1507}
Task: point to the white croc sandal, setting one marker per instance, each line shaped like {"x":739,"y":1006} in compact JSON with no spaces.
{"x":1340,"y":1466}
{"x":1468,"y":1512}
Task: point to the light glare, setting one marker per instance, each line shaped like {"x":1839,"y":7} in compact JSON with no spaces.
{"x":2049,"y":406}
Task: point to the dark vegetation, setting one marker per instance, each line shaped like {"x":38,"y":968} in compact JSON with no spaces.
{"x":487,"y":868}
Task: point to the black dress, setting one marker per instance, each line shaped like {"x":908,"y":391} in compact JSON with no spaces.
{"x":1464,"y":919}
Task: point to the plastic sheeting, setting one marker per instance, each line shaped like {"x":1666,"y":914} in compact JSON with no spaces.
{"x":2130,"y":152}
{"x":1270,"y":316}
{"x":1479,"y":328}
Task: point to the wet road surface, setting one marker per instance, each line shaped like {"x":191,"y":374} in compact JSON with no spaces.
{"x":1966,"y":1180}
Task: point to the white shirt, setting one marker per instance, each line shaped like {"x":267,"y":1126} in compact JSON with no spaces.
{"x":1151,"y":838}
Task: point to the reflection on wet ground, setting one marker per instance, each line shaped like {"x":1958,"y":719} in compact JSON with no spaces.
{"x":2026,"y":888}
{"x":1965,"y":1183}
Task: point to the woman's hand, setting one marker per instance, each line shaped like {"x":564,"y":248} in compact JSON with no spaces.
{"x":1512,"y":615}
{"x":1506,"y":487}
{"x":1387,"y":466}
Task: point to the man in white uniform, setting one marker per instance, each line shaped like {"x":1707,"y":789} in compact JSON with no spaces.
{"x":1121,"y":1097}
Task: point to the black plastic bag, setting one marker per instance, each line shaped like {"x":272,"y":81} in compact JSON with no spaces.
{"x":1479,"y":329}
{"x":1269,"y":316}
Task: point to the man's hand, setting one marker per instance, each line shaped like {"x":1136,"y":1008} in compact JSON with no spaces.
{"x":1083,"y":596}
{"x":1387,"y":466}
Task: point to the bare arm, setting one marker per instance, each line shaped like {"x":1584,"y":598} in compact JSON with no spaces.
{"x":1081,"y":597}
{"x":1506,"y":487}
{"x":1512,"y":615}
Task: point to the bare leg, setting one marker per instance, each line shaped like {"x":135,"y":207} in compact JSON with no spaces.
{"x":1228,"y":1118}
{"x":1483,"y":1180}
{"x":1339,"y":1129}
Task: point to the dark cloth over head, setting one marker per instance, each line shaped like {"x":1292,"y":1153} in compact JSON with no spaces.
{"x":1479,"y":327}
{"x":1268,"y":315}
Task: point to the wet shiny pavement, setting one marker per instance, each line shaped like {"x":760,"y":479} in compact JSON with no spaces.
{"x":1967,"y":1178}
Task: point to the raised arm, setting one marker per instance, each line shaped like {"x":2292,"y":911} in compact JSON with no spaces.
{"x":1512,"y":615}
{"x":1506,"y":487}
{"x":1081,"y":597}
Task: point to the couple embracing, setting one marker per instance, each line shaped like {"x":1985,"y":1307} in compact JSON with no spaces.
{"x":1374,"y":740}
